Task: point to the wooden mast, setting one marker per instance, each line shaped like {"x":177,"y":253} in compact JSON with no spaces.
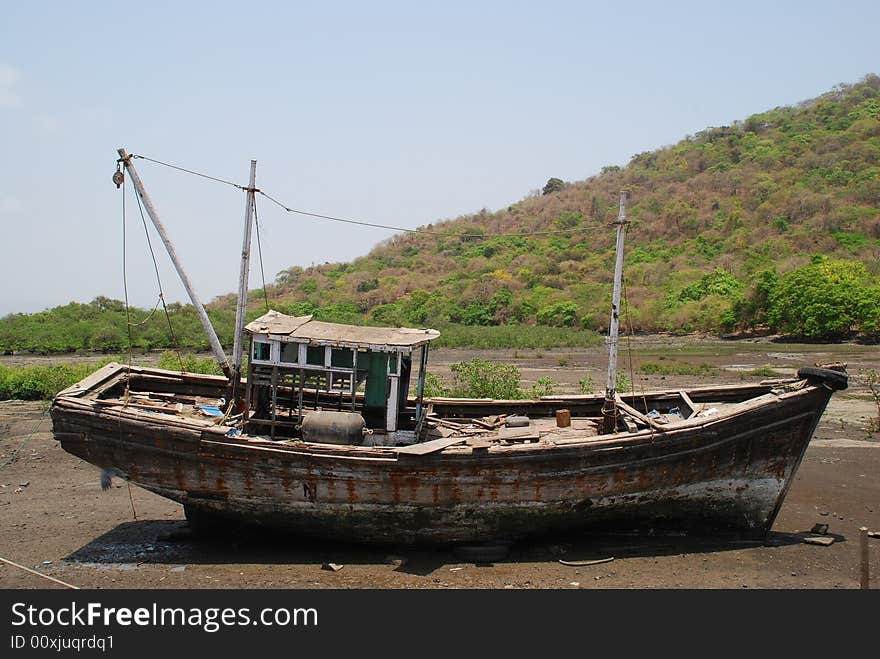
{"x":609,"y":409}
{"x":219,"y":355}
{"x":241,"y":308}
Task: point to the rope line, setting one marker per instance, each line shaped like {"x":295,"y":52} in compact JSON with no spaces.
{"x":630,"y":353}
{"x":376,"y":225}
{"x":260,"y":252}
{"x":14,"y":455}
{"x":125,"y":287}
{"x":131,"y":501}
{"x":190,"y":171}
{"x":159,"y":283}
{"x":149,"y":315}
{"x":430,"y":232}
{"x":39,"y":574}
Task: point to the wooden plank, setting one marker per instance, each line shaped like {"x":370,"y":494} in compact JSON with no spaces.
{"x":633,"y":412}
{"x":451,"y":424}
{"x":433,"y":446}
{"x":479,"y":445}
{"x":110,"y":370}
{"x":140,"y":406}
{"x":440,"y":431}
{"x":687,"y":401}
{"x":516,"y":433}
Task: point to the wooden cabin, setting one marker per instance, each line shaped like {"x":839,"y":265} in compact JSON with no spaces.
{"x":298,"y":365}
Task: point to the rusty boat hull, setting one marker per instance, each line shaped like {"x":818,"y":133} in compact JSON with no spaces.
{"x":727,"y":472}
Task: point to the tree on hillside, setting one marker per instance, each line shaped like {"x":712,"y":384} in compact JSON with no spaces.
{"x":825,"y":299}
{"x":554,"y":185}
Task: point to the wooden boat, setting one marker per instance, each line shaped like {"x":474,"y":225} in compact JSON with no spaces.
{"x":724,"y":465}
{"x":328,"y":442}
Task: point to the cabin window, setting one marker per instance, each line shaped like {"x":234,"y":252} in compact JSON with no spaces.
{"x":261,"y":350}
{"x":342,"y":358}
{"x":392,"y":363}
{"x":363,"y":360}
{"x":290,"y":353}
{"x":315,"y":355}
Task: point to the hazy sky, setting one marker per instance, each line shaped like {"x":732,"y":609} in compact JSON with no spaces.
{"x":403,"y":113}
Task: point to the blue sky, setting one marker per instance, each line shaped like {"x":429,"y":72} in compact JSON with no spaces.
{"x":398,"y":112}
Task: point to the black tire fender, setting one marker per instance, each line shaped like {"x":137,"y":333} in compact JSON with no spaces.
{"x":834,"y":379}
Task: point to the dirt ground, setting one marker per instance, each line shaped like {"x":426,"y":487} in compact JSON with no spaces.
{"x":55,"y":519}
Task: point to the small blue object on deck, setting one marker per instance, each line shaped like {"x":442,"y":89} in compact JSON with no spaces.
{"x":210,"y":410}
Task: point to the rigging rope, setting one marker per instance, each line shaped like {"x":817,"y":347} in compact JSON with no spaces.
{"x":125,"y":288}
{"x":429,"y":232}
{"x":630,"y":353}
{"x":149,"y":315}
{"x":159,"y":283}
{"x":260,"y":252}
{"x":14,"y":455}
{"x":376,"y":225}
{"x":39,"y":574}
{"x":190,"y":171}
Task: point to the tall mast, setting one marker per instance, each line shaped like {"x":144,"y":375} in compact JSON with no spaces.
{"x":609,"y":409}
{"x":241,"y":308}
{"x":154,"y":216}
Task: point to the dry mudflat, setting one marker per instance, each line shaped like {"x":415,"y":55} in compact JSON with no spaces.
{"x":55,"y":518}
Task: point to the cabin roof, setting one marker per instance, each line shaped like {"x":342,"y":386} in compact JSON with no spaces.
{"x":304,"y":328}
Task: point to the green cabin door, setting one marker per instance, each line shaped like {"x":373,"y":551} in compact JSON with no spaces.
{"x":376,"y":391}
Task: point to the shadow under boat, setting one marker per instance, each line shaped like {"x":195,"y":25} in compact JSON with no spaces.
{"x":163,"y":542}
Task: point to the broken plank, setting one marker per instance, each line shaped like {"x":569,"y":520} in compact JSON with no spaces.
{"x":440,"y":431}
{"x":687,"y":401}
{"x":516,"y":433}
{"x":430,"y":447}
{"x":87,"y":384}
{"x":637,"y":415}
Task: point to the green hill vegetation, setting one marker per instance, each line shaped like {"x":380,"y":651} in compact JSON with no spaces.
{"x":771,"y":223}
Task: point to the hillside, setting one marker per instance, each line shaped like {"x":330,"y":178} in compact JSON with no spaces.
{"x":714,"y":219}
{"x":772,"y":222}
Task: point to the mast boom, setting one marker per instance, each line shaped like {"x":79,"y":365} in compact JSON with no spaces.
{"x":216,"y":348}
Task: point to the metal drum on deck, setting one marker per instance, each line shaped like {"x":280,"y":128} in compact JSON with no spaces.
{"x":333,"y":427}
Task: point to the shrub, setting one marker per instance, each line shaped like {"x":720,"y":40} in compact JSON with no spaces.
{"x":624,"y":383}
{"x":190,"y":363}
{"x":367,"y":285}
{"x":544,"y":386}
{"x":559,"y":314}
{"x":586,"y":385}
{"x":435,"y":387}
{"x":43,"y":382}
{"x":717,"y":282}
{"x":827,"y":298}
{"x":480,"y":378}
